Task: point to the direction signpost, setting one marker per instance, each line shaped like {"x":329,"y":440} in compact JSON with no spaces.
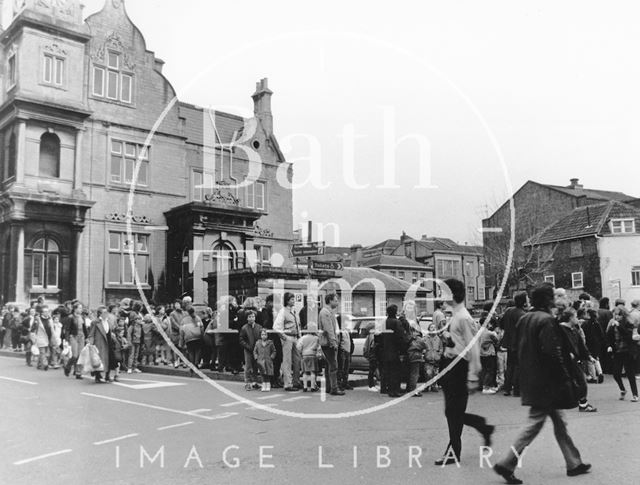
{"x":308,"y":249}
{"x":327,"y":265}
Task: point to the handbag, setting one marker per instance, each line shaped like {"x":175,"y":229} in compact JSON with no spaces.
{"x":635,"y":336}
{"x":35,"y":351}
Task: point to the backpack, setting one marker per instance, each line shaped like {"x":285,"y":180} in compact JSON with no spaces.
{"x":369,"y":349}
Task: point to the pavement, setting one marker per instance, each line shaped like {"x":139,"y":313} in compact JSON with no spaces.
{"x":164,"y":429}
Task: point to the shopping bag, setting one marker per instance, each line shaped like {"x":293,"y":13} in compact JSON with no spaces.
{"x":35,"y":351}
{"x":84,"y":360}
{"x":94,"y":356}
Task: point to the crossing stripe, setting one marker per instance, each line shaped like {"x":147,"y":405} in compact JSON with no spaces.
{"x":41,"y":457}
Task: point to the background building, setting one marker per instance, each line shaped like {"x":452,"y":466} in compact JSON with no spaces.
{"x":78,"y":103}
{"x":536,"y":206}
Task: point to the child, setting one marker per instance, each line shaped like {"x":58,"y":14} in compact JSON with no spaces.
{"x":118,"y":343}
{"x":264,"y":352}
{"x":66,"y":353}
{"x":488,"y":342}
{"x":501,"y":358}
{"x":344,"y":359}
{"x":415,"y":354}
{"x":249,"y":335}
{"x":433,"y":355}
{"x":308,"y":348}
{"x":56,"y":341}
{"x":135,"y":340}
{"x":148,"y":329}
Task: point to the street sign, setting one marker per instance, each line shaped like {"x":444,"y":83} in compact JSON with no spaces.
{"x":310,"y":249}
{"x":327,"y":265}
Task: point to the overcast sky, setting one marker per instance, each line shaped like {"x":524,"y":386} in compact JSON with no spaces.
{"x":556,"y":83}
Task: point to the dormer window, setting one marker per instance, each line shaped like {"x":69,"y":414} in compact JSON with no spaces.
{"x":112,"y":81}
{"x":623,"y":226}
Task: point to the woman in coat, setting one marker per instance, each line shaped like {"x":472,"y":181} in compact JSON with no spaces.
{"x":100,"y":336}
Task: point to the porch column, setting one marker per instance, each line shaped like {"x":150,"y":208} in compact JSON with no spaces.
{"x":16,"y":264}
{"x":76,"y":262}
{"x":200,"y":293}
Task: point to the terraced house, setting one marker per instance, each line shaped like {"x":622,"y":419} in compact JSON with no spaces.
{"x":92,"y":137}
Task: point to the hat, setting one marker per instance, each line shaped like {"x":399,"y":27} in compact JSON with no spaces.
{"x":620,"y":301}
{"x":635,"y":303}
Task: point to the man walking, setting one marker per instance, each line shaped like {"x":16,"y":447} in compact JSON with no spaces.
{"x":328,"y":329}
{"x":544,"y":381}
{"x":508,"y":324}
{"x":455,"y":382}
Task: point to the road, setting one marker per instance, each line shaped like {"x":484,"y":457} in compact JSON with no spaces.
{"x":167,"y":429}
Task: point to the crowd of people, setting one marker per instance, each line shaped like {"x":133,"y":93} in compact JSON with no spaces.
{"x":275,"y":349}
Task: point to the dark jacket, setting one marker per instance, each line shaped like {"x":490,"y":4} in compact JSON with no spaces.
{"x":392,"y":342}
{"x":594,"y":337}
{"x":604,"y":317}
{"x":543,"y":373}
{"x":417,"y":349}
{"x":249,"y":336}
{"x":508,"y":324}
{"x":620,"y":337}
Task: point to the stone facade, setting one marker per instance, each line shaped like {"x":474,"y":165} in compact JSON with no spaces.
{"x":85,"y":113}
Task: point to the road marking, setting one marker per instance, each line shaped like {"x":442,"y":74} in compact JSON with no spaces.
{"x":41,"y":457}
{"x":146,"y":384}
{"x":234,"y":403}
{"x":98,"y":443}
{"x":150,"y":406}
{"x":19,"y":380}
{"x":203,"y":410}
{"x":297,"y":398}
{"x":273,"y":396}
{"x":222,"y":416}
{"x":162,"y":428}
{"x":265,"y":405}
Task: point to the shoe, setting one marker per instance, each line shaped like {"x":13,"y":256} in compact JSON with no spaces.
{"x":445,"y":461}
{"x":248,"y":387}
{"x":581,"y":469}
{"x":622,"y":395}
{"x":394,"y":395}
{"x":67,"y":371}
{"x":291,"y":389}
{"x":78,"y":376}
{"x":507,"y":393}
{"x":349,"y":387}
{"x":587,"y":409}
{"x":506,"y":474}
{"x":600,"y":378}
{"x":314,"y":389}
{"x":486,"y":434}
{"x":489,"y":391}
{"x":255,"y":385}
{"x":374,"y":389}
{"x":417,"y":394}
{"x":129,"y":371}
{"x":137,"y":371}
{"x":305,"y":389}
{"x":634,"y":399}
{"x":337,"y":393}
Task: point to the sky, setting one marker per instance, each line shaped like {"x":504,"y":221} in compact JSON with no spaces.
{"x":486,"y":95}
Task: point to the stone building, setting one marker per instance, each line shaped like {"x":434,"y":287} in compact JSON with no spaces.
{"x":536,"y":205}
{"x":100,"y":165}
{"x":593,"y":249}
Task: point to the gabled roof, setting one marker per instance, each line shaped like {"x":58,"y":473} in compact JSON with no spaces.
{"x":446,"y":245}
{"x":393,"y":261}
{"x":386,"y":244}
{"x":227,"y":125}
{"x":604,"y":195}
{"x":584,"y":222}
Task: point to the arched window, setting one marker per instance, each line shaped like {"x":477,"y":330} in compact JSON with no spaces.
{"x":49,"y":155}
{"x":225,"y":259}
{"x":11,"y":156}
{"x":45,"y":255}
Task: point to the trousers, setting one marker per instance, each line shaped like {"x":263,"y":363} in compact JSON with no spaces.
{"x":290,"y":362}
{"x":537,"y":418}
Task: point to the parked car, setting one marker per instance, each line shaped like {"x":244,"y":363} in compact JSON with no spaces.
{"x":359,"y":328}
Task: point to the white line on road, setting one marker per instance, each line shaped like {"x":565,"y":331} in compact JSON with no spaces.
{"x":297,"y":398}
{"x":150,"y":406}
{"x":266,"y":405}
{"x":162,"y":428}
{"x":98,"y":443}
{"x":29,"y":460}
{"x":203,"y":410}
{"x":222,"y":416}
{"x":19,"y":380}
{"x":234,"y":403}
{"x":273,"y":396}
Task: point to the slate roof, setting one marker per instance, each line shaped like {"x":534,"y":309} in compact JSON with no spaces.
{"x":604,"y":195}
{"x":584,"y":222}
{"x":355,"y":275}
{"x":394,"y":261}
{"x":226,"y":124}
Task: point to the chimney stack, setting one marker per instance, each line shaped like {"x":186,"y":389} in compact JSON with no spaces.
{"x":356,"y":255}
{"x":575,"y":184}
{"x":262,"y":105}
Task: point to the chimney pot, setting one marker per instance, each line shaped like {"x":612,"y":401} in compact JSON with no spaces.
{"x":575,"y":184}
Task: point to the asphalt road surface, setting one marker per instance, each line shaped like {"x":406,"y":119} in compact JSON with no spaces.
{"x":163,"y":429}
